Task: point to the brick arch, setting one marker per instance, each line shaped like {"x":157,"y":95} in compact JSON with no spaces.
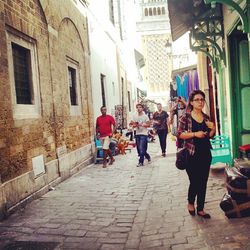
{"x":69,"y":46}
{"x":72,"y":27}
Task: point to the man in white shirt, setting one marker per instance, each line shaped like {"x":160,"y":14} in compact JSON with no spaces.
{"x":141,"y":122}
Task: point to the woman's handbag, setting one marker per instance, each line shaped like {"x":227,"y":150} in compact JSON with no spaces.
{"x":182,"y":158}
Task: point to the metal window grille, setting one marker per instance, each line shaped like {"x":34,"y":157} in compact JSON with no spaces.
{"x":72,"y":86}
{"x":103,"y":90}
{"x":22,"y":74}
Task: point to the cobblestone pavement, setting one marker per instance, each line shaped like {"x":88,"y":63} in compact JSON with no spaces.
{"x":125,"y":207}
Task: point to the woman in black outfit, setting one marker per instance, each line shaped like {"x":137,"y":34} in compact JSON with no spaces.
{"x":160,"y":121}
{"x":196,"y":130}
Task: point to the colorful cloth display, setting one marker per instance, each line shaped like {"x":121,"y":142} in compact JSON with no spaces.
{"x":187,"y":82}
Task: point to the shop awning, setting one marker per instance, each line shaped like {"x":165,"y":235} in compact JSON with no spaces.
{"x":182,"y":14}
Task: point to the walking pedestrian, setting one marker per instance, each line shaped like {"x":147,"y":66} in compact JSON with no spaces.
{"x":161,"y":122}
{"x":105,"y":126}
{"x":196,"y":129}
{"x":175,"y":113}
{"x":141,"y":122}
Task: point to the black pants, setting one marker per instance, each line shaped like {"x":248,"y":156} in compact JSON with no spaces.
{"x":163,"y":139}
{"x":198,"y":171}
{"x":130,"y":134}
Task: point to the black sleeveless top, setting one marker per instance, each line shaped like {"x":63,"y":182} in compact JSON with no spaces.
{"x":201,"y":144}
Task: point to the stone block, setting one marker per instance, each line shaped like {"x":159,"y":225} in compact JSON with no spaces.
{"x":2,"y":143}
{"x":52,"y":170}
{"x":16,"y":149}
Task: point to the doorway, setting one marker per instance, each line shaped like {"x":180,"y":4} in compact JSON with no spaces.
{"x":240,"y":89}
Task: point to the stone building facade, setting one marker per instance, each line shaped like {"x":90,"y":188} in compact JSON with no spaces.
{"x":46,"y":120}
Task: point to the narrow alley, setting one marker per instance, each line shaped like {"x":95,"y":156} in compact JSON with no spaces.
{"x":125,"y":207}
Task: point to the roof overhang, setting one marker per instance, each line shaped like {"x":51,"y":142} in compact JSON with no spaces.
{"x":182,"y":14}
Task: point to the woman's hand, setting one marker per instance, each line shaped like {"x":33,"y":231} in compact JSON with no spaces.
{"x":212,"y":128}
{"x":200,"y":134}
{"x":210,"y":125}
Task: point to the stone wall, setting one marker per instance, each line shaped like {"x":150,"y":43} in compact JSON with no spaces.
{"x":58,"y":32}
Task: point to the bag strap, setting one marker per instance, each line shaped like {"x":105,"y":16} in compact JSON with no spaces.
{"x":237,"y":208}
{"x":241,"y":191}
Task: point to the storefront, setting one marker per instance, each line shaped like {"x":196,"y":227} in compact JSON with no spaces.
{"x":220,"y":34}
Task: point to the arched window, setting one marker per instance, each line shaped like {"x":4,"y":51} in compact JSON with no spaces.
{"x":146,"y":12}
{"x":150,"y":11}
{"x":163,"y":11}
{"x":154,"y":11}
{"x":158,"y":11}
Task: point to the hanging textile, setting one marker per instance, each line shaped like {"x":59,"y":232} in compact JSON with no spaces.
{"x":182,"y":86}
{"x":187,"y":82}
{"x":196,"y":80}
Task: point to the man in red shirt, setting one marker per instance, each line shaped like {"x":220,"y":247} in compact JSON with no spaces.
{"x":105,"y":126}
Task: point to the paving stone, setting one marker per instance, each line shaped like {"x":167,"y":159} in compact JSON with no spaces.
{"x":175,"y":241}
{"x":20,"y":229}
{"x":80,"y":222}
{"x":183,"y":233}
{"x":42,"y":238}
{"x":6,"y":236}
{"x":112,"y":247}
{"x":189,"y":247}
{"x":167,"y":229}
{"x":124,"y":224}
{"x":134,"y":235}
{"x":71,"y":245}
{"x":117,"y":229}
{"x":118,"y":235}
{"x":149,"y":232}
{"x":90,"y":227}
{"x":112,"y":240}
{"x":51,"y":225}
{"x":133,"y":243}
{"x":100,"y":223}
{"x":76,"y":233}
{"x":231,"y":245}
{"x":86,"y":240}
{"x":150,"y":244}
{"x":126,"y":220}
{"x":155,"y":237}
{"x":96,"y":234}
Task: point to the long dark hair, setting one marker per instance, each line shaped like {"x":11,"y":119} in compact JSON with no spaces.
{"x":191,"y":98}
